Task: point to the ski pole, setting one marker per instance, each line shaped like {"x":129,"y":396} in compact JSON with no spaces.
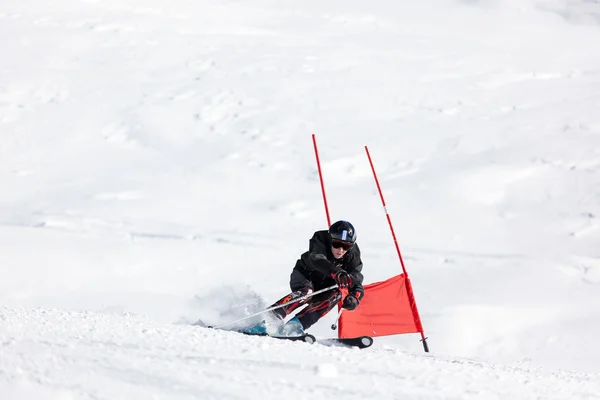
{"x":335,"y":324}
{"x":306,"y":296}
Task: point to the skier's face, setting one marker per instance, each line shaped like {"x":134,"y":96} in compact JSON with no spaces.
{"x":339,"y":249}
{"x":338,"y":253}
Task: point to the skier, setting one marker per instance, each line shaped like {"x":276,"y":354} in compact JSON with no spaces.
{"x":333,"y":258}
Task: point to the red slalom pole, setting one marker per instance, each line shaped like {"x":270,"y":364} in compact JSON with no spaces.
{"x":321,"y":179}
{"x":411,"y":297}
{"x":386,"y":212}
{"x":314,"y":138}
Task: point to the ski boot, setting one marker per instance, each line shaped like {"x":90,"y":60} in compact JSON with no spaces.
{"x":258,"y":329}
{"x":292,"y":328}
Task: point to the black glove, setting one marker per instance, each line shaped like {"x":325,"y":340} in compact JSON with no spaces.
{"x":351,"y":302}
{"x":342,"y":278}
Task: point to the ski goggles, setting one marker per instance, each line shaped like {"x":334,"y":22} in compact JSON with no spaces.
{"x":337,"y":244}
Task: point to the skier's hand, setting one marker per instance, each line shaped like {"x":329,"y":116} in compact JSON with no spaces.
{"x":351,"y":302}
{"x":342,"y":278}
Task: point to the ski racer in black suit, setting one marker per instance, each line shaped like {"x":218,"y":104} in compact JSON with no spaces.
{"x":333,"y":257}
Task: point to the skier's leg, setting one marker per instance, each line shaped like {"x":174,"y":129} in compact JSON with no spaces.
{"x":301,"y":286}
{"x":282,"y":312}
{"x":274,"y":318}
{"x":318,"y":306}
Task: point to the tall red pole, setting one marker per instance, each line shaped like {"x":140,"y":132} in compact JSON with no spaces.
{"x":386,"y":212}
{"x":321,"y":179}
{"x":326,"y":207}
{"x":411,"y":297}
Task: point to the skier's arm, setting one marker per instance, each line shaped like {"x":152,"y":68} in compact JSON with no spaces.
{"x":357,"y":280}
{"x":356,"y":292}
{"x":355,"y":270}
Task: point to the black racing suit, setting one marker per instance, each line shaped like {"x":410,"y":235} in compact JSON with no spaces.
{"x":313,"y":271}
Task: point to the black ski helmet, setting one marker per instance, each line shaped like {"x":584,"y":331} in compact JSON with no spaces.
{"x":342,"y":230}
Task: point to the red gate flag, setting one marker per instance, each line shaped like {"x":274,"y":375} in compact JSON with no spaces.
{"x":388,"y":308}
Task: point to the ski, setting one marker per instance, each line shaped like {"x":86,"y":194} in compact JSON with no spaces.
{"x":306,"y":337}
{"x":361,"y":342}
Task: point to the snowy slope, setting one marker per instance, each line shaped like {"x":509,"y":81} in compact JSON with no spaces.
{"x":64,"y":355}
{"x":156,"y":167}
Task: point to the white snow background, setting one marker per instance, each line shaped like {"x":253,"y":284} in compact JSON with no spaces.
{"x":156,"y":167}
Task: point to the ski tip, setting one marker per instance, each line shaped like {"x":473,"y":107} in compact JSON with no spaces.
{"x":366,"y":341}
{"x":306,"y":338}
{"x":360,"y":342}
{"x":310,"y":339}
